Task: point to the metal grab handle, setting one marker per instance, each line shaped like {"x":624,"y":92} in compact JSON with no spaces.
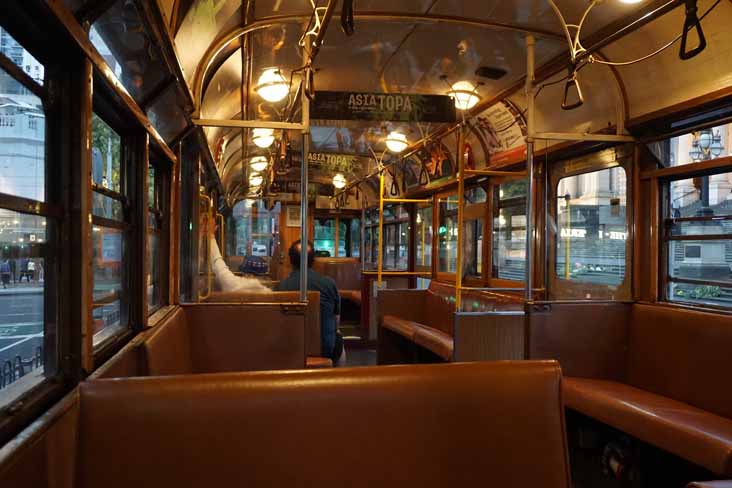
{"x":347,"y":18}
{"x":394,"y":187}
{"x":202,"y":197}
{"x":690,"y":23}
{"x":572,"y":82}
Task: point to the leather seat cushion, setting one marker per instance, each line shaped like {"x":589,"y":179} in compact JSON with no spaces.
{"x":318,"y":362}
{"x":352,"y":295}
{"x":689,"y":432}
{"x":403,"y":327}
{"x":436,"y":341}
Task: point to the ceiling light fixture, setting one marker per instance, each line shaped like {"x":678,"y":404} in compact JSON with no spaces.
{"x":396,"y":142}
{"x":258,"y":163}
{"x":263,"y":137}
{"x":465,"y":95}
{"x":272,"y":86}
{"x":339,"y":181}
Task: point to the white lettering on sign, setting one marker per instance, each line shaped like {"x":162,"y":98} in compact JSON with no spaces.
{"x":579,"y":233}
{"x":614,"y":235}
{"x":390,"y":103}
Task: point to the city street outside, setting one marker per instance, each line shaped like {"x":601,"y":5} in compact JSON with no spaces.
{"x":21,"y":323}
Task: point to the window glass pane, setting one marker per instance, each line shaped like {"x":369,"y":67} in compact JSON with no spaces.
{"x":22,"y":141}
{"x":256,"y":230}
{"x":120,"y":36}
{"x":700,"y":271}
{"x":696,"y":146}
{"x":153,"y":271}
{"x":355,"y":238}
{"x":324,"y":240}
{"x":23,"y":59}
{"x":110,"y":283}
{"x":106,"y":155}
{"x":592,"y":227}
{"x":109,"y":208}
{"x":151,"y":201}
{"x":343,"y":238}
{"x":26,"y":353}
{"x":473,"y":246}
{"x":402,"y":258}
{"x":509,"y":231}
{"x":447,"y":234}
{"x":423,"y":234}
{"x":475,"y":195}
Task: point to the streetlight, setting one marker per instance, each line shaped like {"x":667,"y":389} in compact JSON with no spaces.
{"x":705,"y":145}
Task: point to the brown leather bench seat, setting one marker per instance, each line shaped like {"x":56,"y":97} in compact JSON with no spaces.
{"x":277,"y":429}
{"x":427,"y":317}
{"x":352,"y":295}
{"x":672,"y":386}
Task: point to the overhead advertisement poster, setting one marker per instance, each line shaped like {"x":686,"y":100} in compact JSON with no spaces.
{"x":330,"y":163}
{"x":503,"y":132}
{"x":394,"y":107}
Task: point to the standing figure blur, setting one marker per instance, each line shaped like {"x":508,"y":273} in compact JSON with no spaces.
{"x":5,"y":272}
{"x":331,"y":341}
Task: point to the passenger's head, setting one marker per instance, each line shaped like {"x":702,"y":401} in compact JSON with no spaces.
{"x":295,"y":250}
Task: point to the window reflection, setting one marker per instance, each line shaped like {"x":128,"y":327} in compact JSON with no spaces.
{"x":110,"y":293}
{"x":509,"y":231}
{"x":447,"y":234}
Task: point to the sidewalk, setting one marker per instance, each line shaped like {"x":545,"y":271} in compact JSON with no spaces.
{"x":21,"y":289}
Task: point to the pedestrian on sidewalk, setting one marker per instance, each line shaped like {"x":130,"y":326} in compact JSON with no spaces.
{"x":5,"y":272}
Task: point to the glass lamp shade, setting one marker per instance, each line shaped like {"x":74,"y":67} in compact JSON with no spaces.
{"x":463,"y":92}
{"x":272,"y":86}
{"x":339,"y":181}
{"x":396,"y":142}
{"x":263,"y":137}
{"x":258,"y":163}
{"x":255,"y":180}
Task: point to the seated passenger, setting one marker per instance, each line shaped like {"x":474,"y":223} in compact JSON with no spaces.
{"x":225,"y":279}
{"x":331,"y":340}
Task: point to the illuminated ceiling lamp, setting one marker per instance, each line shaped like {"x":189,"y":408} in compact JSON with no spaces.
{"x":396,"y":142}
{"x":631,"y":1}
{"x":258,"y":163}
{"x":255,"y":180}
{"x":272,"y":86}
{"x":263,"y":137}
{"x":465,"y":95}
{"x":339,"y":181}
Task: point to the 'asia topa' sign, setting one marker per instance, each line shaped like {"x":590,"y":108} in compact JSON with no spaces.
{"x":335,"y":163}
{"x":395,"y":107}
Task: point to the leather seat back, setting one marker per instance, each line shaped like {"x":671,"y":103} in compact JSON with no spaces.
{"x":682,"y":354}
{"x":312,"y":323}
{"x":440,"y":307}
{"x":346,"y":272}
{"x":168,"y":350}
{"x":473,"y":424}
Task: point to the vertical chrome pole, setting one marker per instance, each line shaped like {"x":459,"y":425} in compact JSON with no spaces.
{"x":304,"y":228}
{"x":460,"y":218}
{"x":379,"y":253}
{"x":530,"y":43}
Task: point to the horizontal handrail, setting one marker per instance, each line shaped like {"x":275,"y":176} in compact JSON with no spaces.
{"x":494,"y":313}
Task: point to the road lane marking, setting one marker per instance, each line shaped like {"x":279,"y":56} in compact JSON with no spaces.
{"x":27,"y":338}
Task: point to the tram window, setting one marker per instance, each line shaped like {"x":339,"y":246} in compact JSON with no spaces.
{"x":509,"y":231}
{"x":698,"y":235}
{"x":156,"y":255}
{"x":355,"y":237}
{"x":324,"y":239}
{"x":447,"y":234}
{"x":28,"y":244}
{"x":423,"y":234}
{"x":256,"y":228}
{"x":396,"y":238}
{"x":592,"y":227}
{"x":474,"y":215}
{"x":109,"y":235}
{"x":703,"y":145}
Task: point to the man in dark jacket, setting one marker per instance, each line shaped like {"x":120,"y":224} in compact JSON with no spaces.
{"x":330,"y":302}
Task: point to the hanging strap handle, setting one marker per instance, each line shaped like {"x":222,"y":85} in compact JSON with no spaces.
{"x":424,"y":177}
{"x":572,"y":82}
{"x":347,"y":18}
{"x":690,"y":23}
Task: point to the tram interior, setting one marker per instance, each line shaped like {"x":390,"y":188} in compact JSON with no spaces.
{"x":366,"y":243}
